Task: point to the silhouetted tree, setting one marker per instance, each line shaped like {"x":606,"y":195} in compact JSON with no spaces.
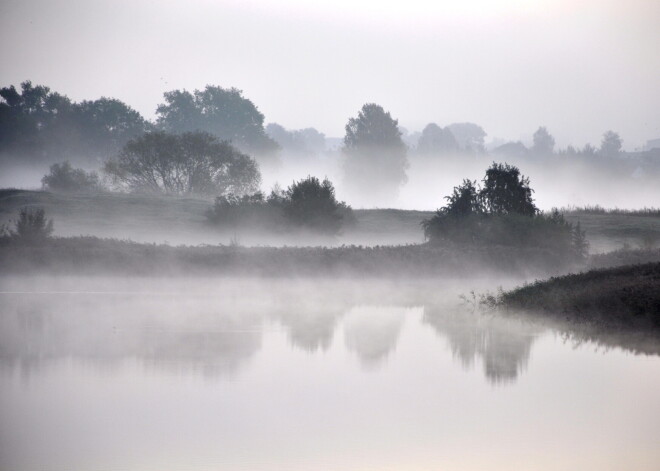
{"x":611,"y":144}
{"x":470,"y":136}
{"x":376,"y":155}
{"x":190,"y":163}
{"x":511,"y":149}
{"x":312,"y":204}
{"x":32,"y":225}
{"x":506,"y":191}
{"x":544,"y":143}
{"x":45,"y":125}
{"x":304,"y":142}
{"x":64,"y":178}
{"x":223,"y":112}
{"x":436,"y":141}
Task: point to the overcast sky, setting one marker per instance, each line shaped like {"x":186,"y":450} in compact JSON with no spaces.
{"x":577,"y":67}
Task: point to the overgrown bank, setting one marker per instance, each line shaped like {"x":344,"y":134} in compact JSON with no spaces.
{"x":625,"y":297}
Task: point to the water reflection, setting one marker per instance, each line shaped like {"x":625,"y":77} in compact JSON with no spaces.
{"x":217,"y":334}
{"x":502,"y":345}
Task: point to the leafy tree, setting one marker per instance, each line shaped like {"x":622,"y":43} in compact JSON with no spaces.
{"x":436,"y":141}
{"x":511,"y":149}
{"x":470,"y":136}
{"x":190,"y":163}
{"x":312,"y":204}
{"x":64,"y":178}
{"x":32,"y":225}
{"x":376,"y":155}
{"x":611,"y":144}
{"x":223,"y":112}
{"x":544,"y":143}
{"x":45,"y":125}
{"x":304,"y":142}
{"x":506,"y":191}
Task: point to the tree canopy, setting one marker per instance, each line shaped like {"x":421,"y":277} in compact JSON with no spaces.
{"x":223,"y":112}
{"x":611,"y":144}
{"x":376,"y":160}
{"x":436,"y":141}
{"x":43,"y":125}
{"x":183,"y":164}
{"x":544,"y":143}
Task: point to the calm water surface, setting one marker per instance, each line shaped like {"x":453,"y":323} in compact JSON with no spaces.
{"x":107,"y":374}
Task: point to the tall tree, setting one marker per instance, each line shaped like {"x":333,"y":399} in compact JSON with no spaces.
{"x":470,"y":136}
{"x":544,"y":143}
{"x":376,"y":160}
{"x":506,"y":191}
{"x":611,"y":144}
{"x":223,"y":112}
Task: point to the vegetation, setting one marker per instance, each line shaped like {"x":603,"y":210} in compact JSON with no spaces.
{"x":624,"y":298}
{"x":66,"y":179}
{"x":375,"y":154}
{"x":307,"y":204}
{"x":222,"y":112}
{"x":502,"y":212}
{"x":43,"y":125}
{"x":193,"y":163}
{"x":32,"y":226}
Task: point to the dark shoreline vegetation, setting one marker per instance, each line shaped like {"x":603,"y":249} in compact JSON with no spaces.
{"x":623,"y":298}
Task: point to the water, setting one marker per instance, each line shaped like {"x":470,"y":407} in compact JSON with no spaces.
{"x":216,"y":374}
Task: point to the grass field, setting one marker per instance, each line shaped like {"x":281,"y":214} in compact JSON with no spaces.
{"x":181,"y":221}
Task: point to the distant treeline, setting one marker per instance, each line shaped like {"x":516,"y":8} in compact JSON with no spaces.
{"x":42,"y":125}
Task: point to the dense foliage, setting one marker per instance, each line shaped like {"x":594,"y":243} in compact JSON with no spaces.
{"x":502,"y":212}
{"x":307,"y":204}
{"x":31,"y":226}
{"x":42,"y":125}
{"x":223,"y":112}
{"x":66,"y":179}
{"x":193,"y":163}
{"x":376,"y":160}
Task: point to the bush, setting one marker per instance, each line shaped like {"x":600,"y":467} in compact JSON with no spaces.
{"x":308,"y":203}
{"x":66,"y":179}
{"x":502,"y":213}
{"x":32,"y":225}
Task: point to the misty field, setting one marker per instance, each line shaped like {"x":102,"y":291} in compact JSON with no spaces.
{"x":177,"y":220}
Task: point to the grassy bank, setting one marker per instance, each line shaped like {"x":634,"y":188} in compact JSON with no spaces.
{"x":625,"y":298}
{"x":182,"y":221}
{"x":80,"y":255}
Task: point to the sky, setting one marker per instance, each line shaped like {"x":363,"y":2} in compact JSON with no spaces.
{"x":577,"y":67}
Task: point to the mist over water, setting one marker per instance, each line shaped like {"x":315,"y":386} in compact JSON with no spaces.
{"x":206,"y":374}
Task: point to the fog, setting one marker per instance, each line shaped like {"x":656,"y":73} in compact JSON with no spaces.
{"x":113,"y":371}
{"x":323,"y":235}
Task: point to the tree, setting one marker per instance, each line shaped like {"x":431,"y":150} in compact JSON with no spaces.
{"x":436,"y":141}
{"x":470,"y":136}
{"x":32,"y":225}
{"x":45,"y":125}
{"x":190,"y":163}
{"x":302,"y":142}
{"x":611,"y":144}
{"x":223,"y":112}
{"x":64,"y":178}
{"x":506,"y":191}
{"x":376,"y":159}
{"x":544,"y":143}
{"x":312,"y":204}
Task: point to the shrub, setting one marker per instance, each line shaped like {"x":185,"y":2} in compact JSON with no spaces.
{"x":308,"y":203}
{"x":32,"y":225}
{"x":66,"y":179}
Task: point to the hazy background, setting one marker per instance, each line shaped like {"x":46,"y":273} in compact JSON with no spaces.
{"x":578,"y":68}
